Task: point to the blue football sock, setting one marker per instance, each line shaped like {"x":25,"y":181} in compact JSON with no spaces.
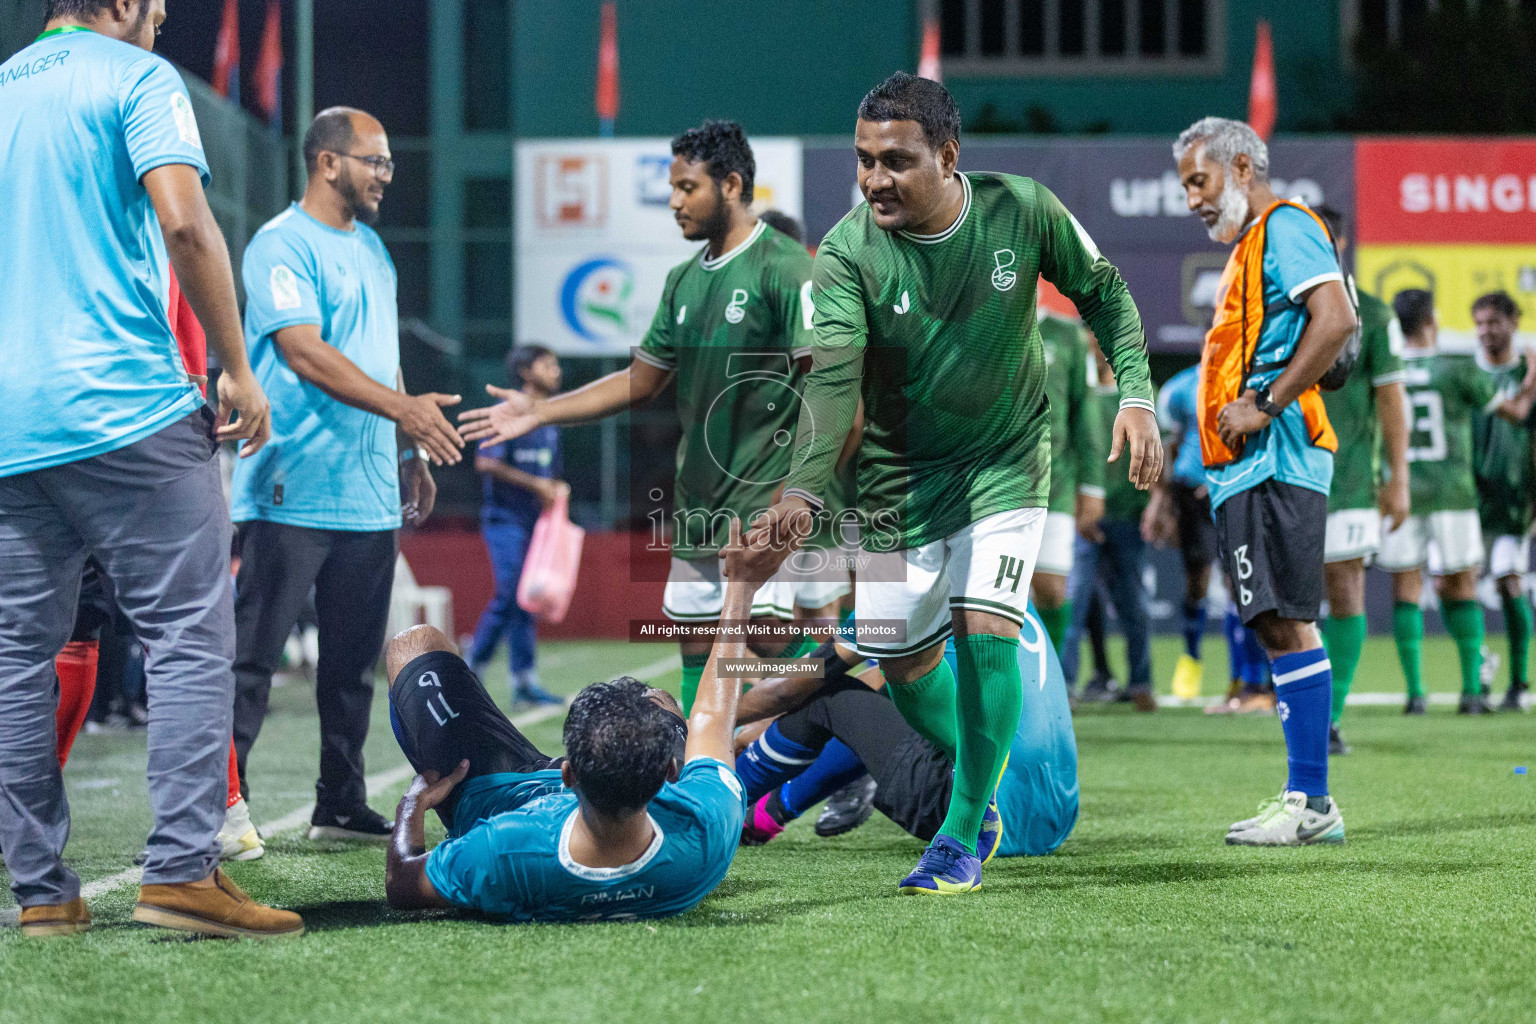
{"x":1232,"y":629}
{"x":771,"y":760}
{"x":833,"y":769}
{"x":1304,"y":690}
{"x":1194,"y":627}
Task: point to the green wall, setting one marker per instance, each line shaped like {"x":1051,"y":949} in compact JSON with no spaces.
{"x":800,"y":66}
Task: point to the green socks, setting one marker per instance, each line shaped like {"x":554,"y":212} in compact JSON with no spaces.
{"x":928,"y":705}
{"x":1056,"y":621}
{"x":1464,"y":621}
{"x":1344,"y":639}
{"x":693,"y":671}
{"x":1408,"y":631}
{"x":989,"y":697}
{"x":1517,"y":621}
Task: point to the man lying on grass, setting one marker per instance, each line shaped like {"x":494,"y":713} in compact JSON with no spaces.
{"x":640,"y":818}
{"x":1036,"y":797}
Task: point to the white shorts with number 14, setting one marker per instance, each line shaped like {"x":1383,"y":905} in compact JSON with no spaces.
{"x":903,"y":599}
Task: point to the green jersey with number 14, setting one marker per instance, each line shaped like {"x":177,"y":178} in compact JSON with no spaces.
{"x":732,"y":328}
{"x":939,"y":334}
{"x":1445,"y":394}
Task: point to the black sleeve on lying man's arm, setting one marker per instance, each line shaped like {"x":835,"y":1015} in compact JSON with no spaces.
{"x":442,"y":714}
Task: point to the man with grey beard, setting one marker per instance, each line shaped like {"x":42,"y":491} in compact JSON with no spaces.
{"x":1282,"y":317}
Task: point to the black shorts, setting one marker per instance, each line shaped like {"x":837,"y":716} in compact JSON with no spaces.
{"x":1271,"y":538}
{"x":915,"y":788}
{"x":442,"y":714}
{"x":1197,"y":530}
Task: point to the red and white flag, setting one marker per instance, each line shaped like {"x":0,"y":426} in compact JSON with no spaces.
{"x":1263,"y":105}
{"x":928,"y":64}
{"x":608,"y":70}
{"x":226,"y":53}
{"x":269,"y":66}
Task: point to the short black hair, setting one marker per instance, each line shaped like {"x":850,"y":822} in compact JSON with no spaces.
{"x":1500,"y":302}
{"x":620,"y":745}
{"x":906,"y":97}
{"x":522,"y":357}
{"x":1414,"y":307}
{"x":74,"y":8}
{"x":1331,"y":217}
{"x":330,"y":132}
{"x":723,"y":149}
{"x":784,"y":224}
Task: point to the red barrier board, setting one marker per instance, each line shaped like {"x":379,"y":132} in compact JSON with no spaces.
{"x":610,"y":589}
{"x":1445,"y":190}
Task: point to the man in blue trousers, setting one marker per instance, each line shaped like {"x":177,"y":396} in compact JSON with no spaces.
{"x":521,"y":480}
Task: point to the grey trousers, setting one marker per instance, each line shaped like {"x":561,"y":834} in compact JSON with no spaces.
{"x":153,"y":514}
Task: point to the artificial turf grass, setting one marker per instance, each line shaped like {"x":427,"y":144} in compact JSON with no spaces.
{"x":1143,"y":915}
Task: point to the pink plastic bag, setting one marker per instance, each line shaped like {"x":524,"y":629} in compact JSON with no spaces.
{"x":549,"y":571}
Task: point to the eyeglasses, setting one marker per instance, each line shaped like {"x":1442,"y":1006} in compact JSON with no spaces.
{"x":379,"y":164}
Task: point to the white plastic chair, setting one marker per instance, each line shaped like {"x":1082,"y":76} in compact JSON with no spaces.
{"x":412,"y":605}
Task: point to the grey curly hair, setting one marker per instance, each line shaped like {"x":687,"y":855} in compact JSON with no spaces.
{"x":1224,"y":139}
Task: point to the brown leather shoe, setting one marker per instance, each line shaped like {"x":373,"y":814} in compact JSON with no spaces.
{"x":222,"y":909}
{"x":60,"y":919}
{"x":1143,"y":700}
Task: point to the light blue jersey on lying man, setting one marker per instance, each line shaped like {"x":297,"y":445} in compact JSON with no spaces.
{"x":329,"y":466}
{"x":88,"y":363}
{"x":510,"y":855}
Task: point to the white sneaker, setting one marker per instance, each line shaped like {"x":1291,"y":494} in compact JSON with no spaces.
{"x":1265,"y":806}
{"x":1291,"y":823}
{"x":238,"y":839}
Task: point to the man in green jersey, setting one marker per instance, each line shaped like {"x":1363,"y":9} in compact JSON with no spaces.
{"x":734,"y":328}
{"x":1502,"y":465}
{"x":1368,"y":416}
{"x":1076,"y":502}
{"x":1113,"y":552}
{"x":1445,"y":394}
{"x":925,"y":306}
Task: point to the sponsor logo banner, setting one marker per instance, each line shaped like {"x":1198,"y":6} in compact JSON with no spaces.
{"x":1446,"y":190}
{"x":1456,"y":274}
{"x":1126,"y":195}
{"x":596,"y":238}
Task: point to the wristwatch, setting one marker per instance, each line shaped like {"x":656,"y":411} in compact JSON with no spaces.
{"x":1266,"y":405}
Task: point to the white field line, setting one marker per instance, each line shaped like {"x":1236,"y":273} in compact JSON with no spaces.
{"x":1354,"y":699}
{"x":376,"y":784}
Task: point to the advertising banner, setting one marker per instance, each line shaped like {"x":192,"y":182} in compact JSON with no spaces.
{"x":1126,"y":194}
{"x":1456,"y":217}
{"x":595,"y":236}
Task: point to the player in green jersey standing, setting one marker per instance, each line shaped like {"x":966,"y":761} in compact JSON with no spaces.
{"x":1502,"y":465}
{"x":925,"y":306}
{"x":1370,"y":478}
{"x":1445,"y":394}
{"x":1076,"y":502}
{"x":734,"y":328}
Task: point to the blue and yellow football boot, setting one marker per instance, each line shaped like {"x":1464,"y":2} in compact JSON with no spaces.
{"x":991,"y":836}
{"x":945,"y":869}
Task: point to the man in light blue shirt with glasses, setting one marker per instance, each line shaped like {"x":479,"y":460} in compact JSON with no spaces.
{"x":319,"y":507}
